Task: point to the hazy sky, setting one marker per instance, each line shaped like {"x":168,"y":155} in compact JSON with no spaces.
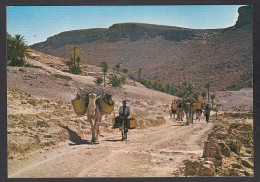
{"x":37,"y":23}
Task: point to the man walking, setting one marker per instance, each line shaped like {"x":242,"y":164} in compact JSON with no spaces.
{"x":207,"y":112}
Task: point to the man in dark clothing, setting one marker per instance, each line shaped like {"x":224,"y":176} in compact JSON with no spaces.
{"x":207,"y":112}
{"x":124,"y":112}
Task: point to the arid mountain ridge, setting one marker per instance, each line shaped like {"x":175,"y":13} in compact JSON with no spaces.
{"x":223,"y":57}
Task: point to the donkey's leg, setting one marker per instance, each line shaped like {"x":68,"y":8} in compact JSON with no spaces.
{"x":90,"y":119}
{"x":96,"y":127}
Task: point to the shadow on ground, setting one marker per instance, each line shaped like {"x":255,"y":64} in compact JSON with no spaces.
{"x":75,"y":138}
{"x":114,"y":140}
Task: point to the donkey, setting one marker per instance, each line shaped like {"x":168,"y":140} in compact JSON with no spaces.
{"x":189,"y":109}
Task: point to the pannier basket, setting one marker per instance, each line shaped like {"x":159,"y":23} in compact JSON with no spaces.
{"x":131,"y":124}
{"x":115,"y":125}
{"x":198,"y":105}
{"x":174,"y":106}
{"x":105,"y":108}
{"x":79,"y":106}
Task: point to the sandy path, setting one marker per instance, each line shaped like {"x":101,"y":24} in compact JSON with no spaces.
{"x":154,"y":152}
{"x":80,"y":78}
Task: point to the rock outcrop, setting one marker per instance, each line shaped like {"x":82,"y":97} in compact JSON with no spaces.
{"x":245,"y":16}
{"x":76,"y":37}
{"x":135,"y":31}
{"x":117,"y":32}
{"x":227,"y":152}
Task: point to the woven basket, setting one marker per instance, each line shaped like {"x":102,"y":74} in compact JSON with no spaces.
{"x":79,"y":106}
{"x":105,"y":108}
{"x":132,"y":122}
{"x":198,"y":105}
{"x":174,"y":106}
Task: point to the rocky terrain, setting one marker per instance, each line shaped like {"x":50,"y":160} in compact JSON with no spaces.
{"x":47,"y":139}
{"x":168,"y":54}
{"x":43,"y":129}
{"x":228,"y":151}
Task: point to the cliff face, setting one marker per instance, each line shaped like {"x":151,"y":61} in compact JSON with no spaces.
{"x":169,"y":54}
{"x":117,"y":32}
{"x":135,"y":31}
{"x":245,"y":16}
{"x":72,"y":37}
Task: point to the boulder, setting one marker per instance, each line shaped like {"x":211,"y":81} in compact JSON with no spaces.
{"x":234,"y":145}
{"x":225,"y":150}
{"x":212,"y":149}
{"x":247,"y":163}
{"x":207,"y":169}
{"x":191,"y":167}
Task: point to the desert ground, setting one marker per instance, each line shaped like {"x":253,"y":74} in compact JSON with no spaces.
{"x":39,"y":106}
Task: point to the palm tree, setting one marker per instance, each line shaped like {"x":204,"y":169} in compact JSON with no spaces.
{"x":212,"y":98}
{"x":167,"y":88}
{"x":207,"y":86}
{"x":75,"y":52}
{"x":17,"y":50}
{"x":117,"y":67}
{"x":159,"y":86}
{"x":203,"y":95}
{"x":78,"y":59}
{"x":185,"y":90}
{"x":104,"y":67}
{"x":139,"y":71}
{"x":69,"y":63}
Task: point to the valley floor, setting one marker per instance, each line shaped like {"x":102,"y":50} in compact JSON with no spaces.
{"x":153,"y":152}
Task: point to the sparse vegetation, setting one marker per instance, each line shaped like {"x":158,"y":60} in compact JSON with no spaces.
{"x":125,"y":70}
{"x":104,"y":67}
{"x":139,"y":72}
{"x":212,"y":99}
{"x":207,"y":86}
{"x":117,"y":67}
{"x":123,"y":79}
{"x":203,"y":95}
{"x":98,"y":80}
{"x":156,"y":85}
{"x":186,"y":90}
{"x":74,"y":57}
{"x":115,"y":81}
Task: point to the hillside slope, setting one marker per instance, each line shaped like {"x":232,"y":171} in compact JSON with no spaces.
{"x":169,"y":54}
{"x":39,"y":106}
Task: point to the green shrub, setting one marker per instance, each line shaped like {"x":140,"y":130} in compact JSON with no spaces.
{"x":115,"y":81}
{"x":98,"y":80}
{"x":123,"y":79}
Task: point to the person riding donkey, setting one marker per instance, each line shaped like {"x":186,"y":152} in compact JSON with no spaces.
{"x":124,"y":113}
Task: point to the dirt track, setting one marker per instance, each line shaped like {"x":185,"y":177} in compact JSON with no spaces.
{"x":154,"y":152}
{"x":36,"y":112}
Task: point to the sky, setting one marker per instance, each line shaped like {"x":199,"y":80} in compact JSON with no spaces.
{"x":37,"y":23}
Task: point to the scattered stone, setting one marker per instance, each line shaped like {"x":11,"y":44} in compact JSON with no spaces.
{"x":247,"y":163}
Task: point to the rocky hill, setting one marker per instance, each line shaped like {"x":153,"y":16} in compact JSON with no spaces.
{"x":223,"y":57}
